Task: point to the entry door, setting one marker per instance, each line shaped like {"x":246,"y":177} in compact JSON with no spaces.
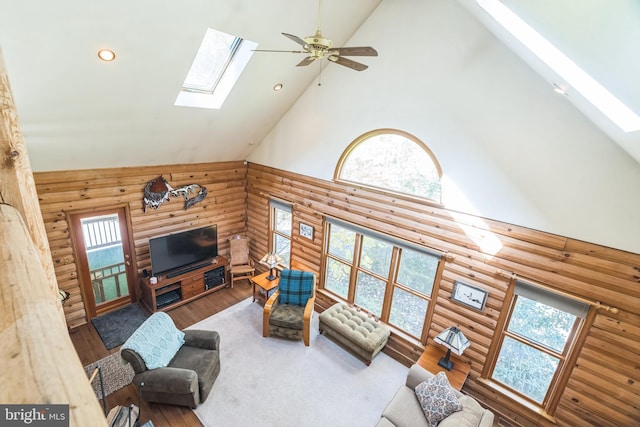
{"x":103,"y":248}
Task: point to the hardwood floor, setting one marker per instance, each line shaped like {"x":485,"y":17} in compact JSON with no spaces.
{"x":90,"y":348}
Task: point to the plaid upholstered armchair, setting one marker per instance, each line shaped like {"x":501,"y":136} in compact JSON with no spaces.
{"x":287,"y":313}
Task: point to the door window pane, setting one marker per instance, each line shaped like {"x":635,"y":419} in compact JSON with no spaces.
{"x":103,"y":246}
{"x":337,"y":277}
{"x":370,"y":292}
{"x":408,"y":312}
{"x":525,"y":369}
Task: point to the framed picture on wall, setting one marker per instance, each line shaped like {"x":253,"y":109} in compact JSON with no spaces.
{"x":306,"y":231}
{"x":468,"y":295}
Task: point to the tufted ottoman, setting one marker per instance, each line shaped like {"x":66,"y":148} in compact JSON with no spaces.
{"x":355,"y":331}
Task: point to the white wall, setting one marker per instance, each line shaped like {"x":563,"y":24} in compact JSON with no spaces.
{"x":510,"y":148}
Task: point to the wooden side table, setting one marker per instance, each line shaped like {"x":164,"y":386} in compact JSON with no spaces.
{"x":456,"y":376}
{"x":267,"y":285}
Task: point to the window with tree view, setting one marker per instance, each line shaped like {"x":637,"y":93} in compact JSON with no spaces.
{"x":387,"y":277}
{"x":393,"y":160}
{"x":536,"y":341}
{"x":281,"y":225}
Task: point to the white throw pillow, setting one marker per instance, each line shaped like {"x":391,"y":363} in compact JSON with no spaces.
{"x":437,"y":398}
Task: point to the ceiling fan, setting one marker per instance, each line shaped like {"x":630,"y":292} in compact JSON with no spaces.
{"x":319,"y":47}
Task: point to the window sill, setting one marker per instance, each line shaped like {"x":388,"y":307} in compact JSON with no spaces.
{"x":398,"y":332}
{"x":524,"y":403}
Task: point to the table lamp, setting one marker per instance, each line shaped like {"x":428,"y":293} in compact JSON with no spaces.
{"x":455,"y":341}
{"x":271,"y":260}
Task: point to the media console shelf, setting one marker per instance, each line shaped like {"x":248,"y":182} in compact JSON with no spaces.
{"x":179,"y":287}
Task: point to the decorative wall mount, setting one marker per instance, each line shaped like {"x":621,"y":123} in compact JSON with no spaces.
{"x":306,"y":231}
{"x":158,"y":191}
{"x":468,"y":295}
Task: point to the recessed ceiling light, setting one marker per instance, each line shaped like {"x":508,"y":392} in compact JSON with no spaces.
{"x":106,"y":55}
{"x":278,"y":87}
{"x":559,"y":89}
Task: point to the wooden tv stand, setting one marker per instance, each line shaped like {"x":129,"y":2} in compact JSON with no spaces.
{"x":186,"y":284}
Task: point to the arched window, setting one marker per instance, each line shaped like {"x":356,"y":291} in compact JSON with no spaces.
{"x":392,"y":160}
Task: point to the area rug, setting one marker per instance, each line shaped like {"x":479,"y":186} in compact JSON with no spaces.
{"x":115,"y":374}
{"x":114,"y":328}
{"x":277,"y":382}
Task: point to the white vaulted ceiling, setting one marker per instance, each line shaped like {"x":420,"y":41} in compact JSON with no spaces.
{"x":77,"y":112}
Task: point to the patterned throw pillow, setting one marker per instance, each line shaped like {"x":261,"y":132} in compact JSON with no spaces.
{"x":295,"y":287}
{"x":156,"y":341}
{"x":437,"y":399}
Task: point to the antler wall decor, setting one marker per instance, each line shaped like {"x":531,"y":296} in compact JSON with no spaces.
{"x":158,"y":190}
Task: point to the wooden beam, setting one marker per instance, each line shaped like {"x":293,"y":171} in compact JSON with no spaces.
{"x":39,"y":362}
{"x":17,"y":187}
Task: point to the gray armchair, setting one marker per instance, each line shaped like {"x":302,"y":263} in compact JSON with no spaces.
{"x":189,"y":376}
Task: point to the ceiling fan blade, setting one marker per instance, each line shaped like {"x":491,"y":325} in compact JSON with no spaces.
{"x":354,"y":51}
{"x":306,"y":61}
{"x":347,"y":63}
{"x":296,"y":39}
{"x":271,"y":50}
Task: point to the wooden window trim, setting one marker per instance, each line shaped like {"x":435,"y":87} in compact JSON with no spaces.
{"x":387,"y":191}
{"x":566,"y":358}
{"x":273,"y":205}
{"x":390,"y":280}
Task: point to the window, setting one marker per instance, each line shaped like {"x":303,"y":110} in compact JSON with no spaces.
{"x":536,"y":340}
{"x":387,"y":277}
{"x":217,"y":66}
{"x":392,"y":160}
{"x":281,"y":225}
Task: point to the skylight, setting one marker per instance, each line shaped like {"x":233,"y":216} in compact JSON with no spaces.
{"x":593,"y":91}
{"x":217,"y":66}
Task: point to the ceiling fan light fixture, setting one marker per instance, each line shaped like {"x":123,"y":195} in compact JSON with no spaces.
{"x":106,"y":55}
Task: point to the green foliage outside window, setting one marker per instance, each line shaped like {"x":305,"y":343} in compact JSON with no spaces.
{"x":524,"y":367}
{"x":282,"y":222}
{"x":342,"y":242}
{"x":393,"y":161}
{"x":408,"y":312}
{"x":541,"y":324}
{"x":370,"y":292}
{"x":337,"y":277}
{"x":376,"y":256}
{"x":408,"y":298}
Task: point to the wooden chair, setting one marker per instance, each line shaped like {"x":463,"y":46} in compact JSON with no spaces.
{"x":287,"y":313}
{"x":240,"y":264}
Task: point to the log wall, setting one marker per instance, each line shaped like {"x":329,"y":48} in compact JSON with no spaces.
{"x":60,"y":193}
{"x":603,"y":388}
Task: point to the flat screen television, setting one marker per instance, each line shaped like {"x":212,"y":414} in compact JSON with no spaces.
{"x":179,"y":250}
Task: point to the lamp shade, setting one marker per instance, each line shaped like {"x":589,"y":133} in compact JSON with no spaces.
{"x":453,"y":339}
{"x":271,"y":259}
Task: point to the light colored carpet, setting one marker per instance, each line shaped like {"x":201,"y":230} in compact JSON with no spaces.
{"x":115,"y":374}
{"x":277,"y":382}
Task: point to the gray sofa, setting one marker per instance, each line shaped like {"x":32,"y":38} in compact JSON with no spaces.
{"x":404,"y":409}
